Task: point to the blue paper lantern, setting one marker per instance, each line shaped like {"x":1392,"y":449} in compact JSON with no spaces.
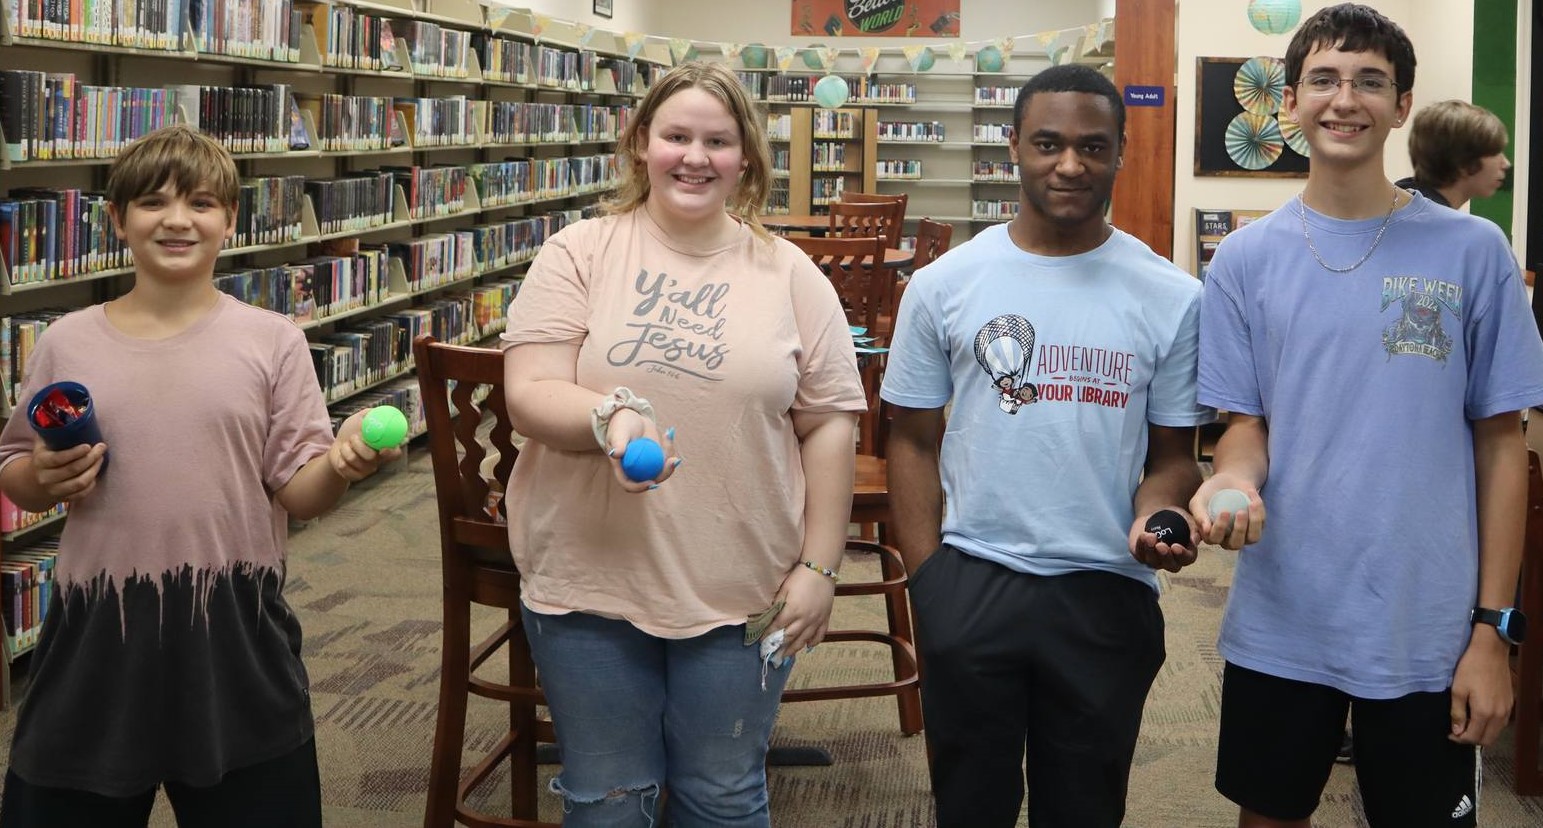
{"x":925,"y":60}
{"x":988,"y":59}
{"x":1274,"y":16}
{"x":755,"y":56}
{"x":831,"y":92}
{"x":812,"y":57}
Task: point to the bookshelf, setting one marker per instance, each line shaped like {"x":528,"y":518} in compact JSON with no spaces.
{"x":404,"y":191}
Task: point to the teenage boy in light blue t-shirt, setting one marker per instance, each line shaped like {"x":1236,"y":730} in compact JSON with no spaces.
{"x":1374,"y":350}
{"x":1068,"y":351}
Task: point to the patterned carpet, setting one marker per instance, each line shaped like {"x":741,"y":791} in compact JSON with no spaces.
{"x":365,"y":581}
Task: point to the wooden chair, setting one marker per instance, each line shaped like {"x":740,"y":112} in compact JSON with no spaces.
{"x":477,"y":569}
{"x":850,"y":218}
{"x":870,"y":505}
{"x":856,"y":268}
{"x":1528,"y":664}
{"x":898,"y":206}
{"x":932,"y":239}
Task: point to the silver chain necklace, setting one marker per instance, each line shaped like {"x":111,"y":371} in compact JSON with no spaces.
{"x":1302,"y":212}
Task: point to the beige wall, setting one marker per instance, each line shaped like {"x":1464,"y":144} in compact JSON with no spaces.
{"x":1442,"y":32}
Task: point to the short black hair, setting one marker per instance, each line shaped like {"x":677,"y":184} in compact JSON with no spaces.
{"x":1352,"y":27}
{"x":1071,"y":77}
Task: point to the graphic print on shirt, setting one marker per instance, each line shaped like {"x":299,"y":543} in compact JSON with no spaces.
{"x":1418,"y":330}
{"x":1071,"y":373}
{"x":679,"y":332}
{"x":1004,"y":347}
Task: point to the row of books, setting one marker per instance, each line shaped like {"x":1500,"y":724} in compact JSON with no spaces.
{"x":829,"y":123}
{"x":434,"y":50}
{"x":348,"y":38}
{"x":991,"y":133}
{"x":574,"y":71}
{"x":898,"y":168}
{"x":996,"y":95}
{"x":992,"y":209}
{"x":436,"y":259}
{"x":779,"y":127}
{"x":522,"y":122}
{"x":318,"y":287}
{"x":432,"y":192}
{"x":55,"y":116}
{"x":826,"y":190}
{"x":263,"y":29}
{"x":26,"y":591}
{"x":504,"y":243}
{"x":369,"y":351}
{"x":352,"y":123}
{"x":919,"y":131}
{"x":861,"y":89}
{"x":1005,"y":171}
{"x":18,"y":338}
{"x":13,"y":518}
{"x":438,"y":122}
{"x":828,"y":157}
{"x":48,"y":234}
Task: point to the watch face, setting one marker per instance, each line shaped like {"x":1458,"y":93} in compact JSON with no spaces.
{"x":1514,"y":626}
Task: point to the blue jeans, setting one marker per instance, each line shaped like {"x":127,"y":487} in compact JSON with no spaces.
{"x":635,"y":713}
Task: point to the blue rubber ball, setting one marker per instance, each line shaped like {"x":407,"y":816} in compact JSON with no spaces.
{"x":643,"y":460}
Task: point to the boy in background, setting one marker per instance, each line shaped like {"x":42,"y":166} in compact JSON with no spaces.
{"x":1458,"y":152}
{"x":170,"y":657}
{"x":1374,"y":350}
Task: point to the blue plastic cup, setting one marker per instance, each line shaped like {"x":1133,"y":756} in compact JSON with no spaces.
{"x":82,"y":429}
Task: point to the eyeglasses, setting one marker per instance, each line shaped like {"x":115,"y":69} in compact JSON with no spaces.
{"x":1322,"y":86}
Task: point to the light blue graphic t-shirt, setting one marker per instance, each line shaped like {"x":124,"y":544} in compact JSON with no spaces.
{"x":1368,"y":381}
{"x":1055,"y":366}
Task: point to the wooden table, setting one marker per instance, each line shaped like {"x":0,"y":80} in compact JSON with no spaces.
{"x":798,"y":222}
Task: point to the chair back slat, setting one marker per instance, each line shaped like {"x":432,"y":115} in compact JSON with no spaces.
{"x":932,"y":240}
{"x":855,"y":266}
{"x":893,"y":222}
{"x":460,"y":386}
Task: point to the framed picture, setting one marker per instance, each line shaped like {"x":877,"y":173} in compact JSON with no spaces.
{"x":603,"y":8}
{"x":1240,"y":129}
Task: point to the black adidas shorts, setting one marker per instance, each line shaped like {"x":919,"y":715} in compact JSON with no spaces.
{"x":1279,"y":737}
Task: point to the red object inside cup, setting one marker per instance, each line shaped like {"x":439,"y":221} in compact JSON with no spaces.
{"x":56,"y":411}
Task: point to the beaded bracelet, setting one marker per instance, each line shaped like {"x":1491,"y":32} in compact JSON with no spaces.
{"x":829,"y":573}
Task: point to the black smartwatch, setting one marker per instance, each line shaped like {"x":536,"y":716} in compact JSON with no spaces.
{"x":1509,"y":621}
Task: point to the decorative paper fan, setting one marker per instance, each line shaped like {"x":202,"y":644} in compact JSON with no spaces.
{"x":1254,"y":141}
{"x":1291,"y":131}
{"x":1260,"y":84}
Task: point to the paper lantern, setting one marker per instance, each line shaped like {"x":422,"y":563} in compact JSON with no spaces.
{"x":924,"y":60}
{"x":812,"y":56}
{"x":988,"y":59}
{"x":755,"y":56}
{"x":831,"y":92}
{"x":1274,"y":16}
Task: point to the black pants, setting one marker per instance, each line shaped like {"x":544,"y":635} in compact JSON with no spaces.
{"x":1058,"y":666}
{"x":280,"y":793}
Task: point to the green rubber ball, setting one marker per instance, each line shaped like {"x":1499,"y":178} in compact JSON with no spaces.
{"x":384,"y":427}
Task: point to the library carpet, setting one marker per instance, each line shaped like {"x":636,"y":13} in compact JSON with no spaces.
{"x":365,"y":581}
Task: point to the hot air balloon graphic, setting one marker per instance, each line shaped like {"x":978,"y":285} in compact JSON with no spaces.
{"x":1004,"y":347}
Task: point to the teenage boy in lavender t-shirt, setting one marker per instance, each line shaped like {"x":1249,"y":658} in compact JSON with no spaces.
{"x":1374,"y":350}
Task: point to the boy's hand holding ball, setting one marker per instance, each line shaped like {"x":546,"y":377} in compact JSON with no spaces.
{"x":1230,"y":510}
{"x":366,"y":440}
{"x":1164,"y":540}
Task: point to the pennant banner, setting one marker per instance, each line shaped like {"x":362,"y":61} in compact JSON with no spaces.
{"x":680,"y":47}
{"x":956,"y":51}
{"x":870,"y":56}
{"x":828,"y":56}
{"x":1004,"y":45}
{"x":731,"y":50}
{"x":496,"y":16}
{"x":634,"y":42}
{"x":785,"y":55}
{"x":586,"y":33}
{"x":539,"y":24}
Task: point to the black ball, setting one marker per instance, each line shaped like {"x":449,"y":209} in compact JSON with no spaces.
{"x":1169,"y":526}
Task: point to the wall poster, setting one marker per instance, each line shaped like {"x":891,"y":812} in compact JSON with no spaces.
{"x":1240,"y":128}
{"x":876,"y":18}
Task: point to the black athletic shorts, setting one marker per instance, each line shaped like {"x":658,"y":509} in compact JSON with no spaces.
{"x":1279,"y":737}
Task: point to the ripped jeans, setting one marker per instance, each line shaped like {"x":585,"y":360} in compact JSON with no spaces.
{"x":635,"y":714}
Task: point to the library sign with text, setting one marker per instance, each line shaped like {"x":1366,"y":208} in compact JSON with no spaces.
{"x":876,"y":18}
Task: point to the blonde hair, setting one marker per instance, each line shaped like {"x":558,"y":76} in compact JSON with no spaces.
{"x":718,"y":81}
{"x":1451,"y":139}
{"x":180,"y":154}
